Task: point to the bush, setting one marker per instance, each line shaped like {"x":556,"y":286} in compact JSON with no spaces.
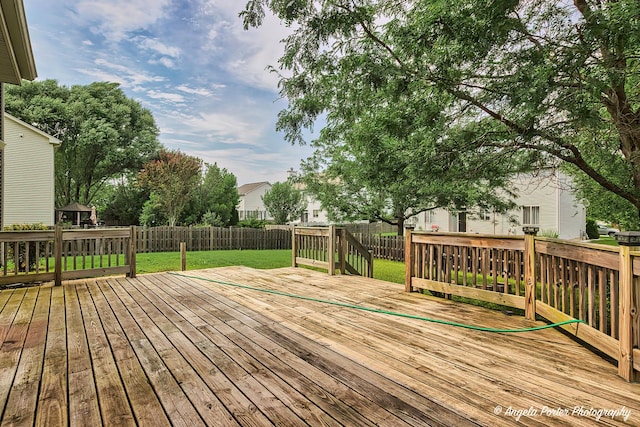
{"x":253,"y":223}
{"x":22,"y":246}
{"x":592,"y":229}
{"x":549,"y":233}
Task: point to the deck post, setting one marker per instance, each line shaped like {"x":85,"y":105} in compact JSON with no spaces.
{"x":183,"y":256}
{"x":529,"y":272}
{"x":629,"y":241}
{"x":133,"y":247}
{"x":57,"y":253}
{"x":331,"y":249}
{"x":408,"y":260}
{"x":294,"y":250}
{"x":344,"y":247}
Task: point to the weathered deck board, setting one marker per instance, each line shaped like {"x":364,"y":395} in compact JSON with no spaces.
{"x":165,"y":349}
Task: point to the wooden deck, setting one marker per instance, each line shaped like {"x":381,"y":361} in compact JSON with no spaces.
{"x":164,"y":349}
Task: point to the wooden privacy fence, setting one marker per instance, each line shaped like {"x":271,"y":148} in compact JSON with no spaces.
{"x":33,"y":256}
{"x":555,"y":279}
{"x":168,"y":239}
{"x":330,"y":248}
{"x":383,"y":247}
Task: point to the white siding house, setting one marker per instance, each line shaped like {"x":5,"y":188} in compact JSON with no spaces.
{"x":313,"y":214}
{"x":28,"y":174}
{"x":545,"y":200}
{"x":251,"y":205}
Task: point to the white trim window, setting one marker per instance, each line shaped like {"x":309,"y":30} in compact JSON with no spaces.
{"x":531,"y":215}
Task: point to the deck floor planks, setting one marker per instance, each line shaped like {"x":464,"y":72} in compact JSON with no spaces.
{"x":143,"y":401}
{"x":175,"y":403}
{"x":230,"y":340}
{"x":515,"y":341}
{"x":448,"y":390}
{"x":53,"y":406}
{"x":239,"y":366}
{"x":335,"y":367}
{"x":510,"y":381}
{"x":156,"y":328}
{"x":168,"y":347}
{"x":114,"y":404}
{"x":20,"y":408}
{"x":229,"y":397}
{"x":83,"y":402}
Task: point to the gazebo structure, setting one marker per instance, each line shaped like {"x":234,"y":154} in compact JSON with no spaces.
{"x":76,"y":213}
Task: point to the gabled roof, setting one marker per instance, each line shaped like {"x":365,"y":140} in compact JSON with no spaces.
{"x":248,"y":188}
{"x":52,"y":140}
{"x":16,"y":55}
{"x":75,"y":207}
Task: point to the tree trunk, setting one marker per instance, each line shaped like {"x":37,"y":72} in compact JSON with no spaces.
{"x":400,"y":224}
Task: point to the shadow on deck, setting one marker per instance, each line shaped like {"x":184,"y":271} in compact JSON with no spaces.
{"x":165,"y":349}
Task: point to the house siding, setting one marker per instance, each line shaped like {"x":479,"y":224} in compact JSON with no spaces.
{"x":560,"y":211}
{"x":28,"y":176}
{"x":251,"y":204}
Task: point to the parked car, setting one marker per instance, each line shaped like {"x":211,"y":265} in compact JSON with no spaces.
{"x":603,"y":230}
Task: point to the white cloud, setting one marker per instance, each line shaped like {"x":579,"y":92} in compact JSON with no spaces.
{"x":87,"y":42}
{"x":159,"y":47}
{"x":115,"y":18}
{"x":124,"y":75}
{"x":166,"y":96}
{"x":167,"y":62}
{"x":199,"y":90}
{"x":226,"y":128}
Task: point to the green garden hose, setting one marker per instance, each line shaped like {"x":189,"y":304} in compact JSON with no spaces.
{"x":377,"y":310}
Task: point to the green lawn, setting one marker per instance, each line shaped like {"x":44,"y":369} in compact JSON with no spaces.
{"x":605,"y":240}
{"x":262,"y":259}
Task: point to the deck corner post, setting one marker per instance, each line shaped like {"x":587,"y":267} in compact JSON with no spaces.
{"x":57,"y":253}
{"x":629,"y":242}
{"x":133,"y":247}
{"x":408,"y":260}
{"x":294,"y":249}
{"x":530,"y":272}
{"x":342,"y":254}
{"x":331,"y":249}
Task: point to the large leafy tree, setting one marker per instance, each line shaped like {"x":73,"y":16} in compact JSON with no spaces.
{"x":171,"y":179}
{"x":214,"y":199}
{"x":284,"y":202}
{"x":556,"y":78}
{"x":104,"y":134}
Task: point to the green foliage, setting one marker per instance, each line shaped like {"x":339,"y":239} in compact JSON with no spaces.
{"x":284,"y":202}
{"x":216,"y":194}
{"x":34,"y":247}
{"x":104,"y":134}
{"x":152,"y":214}
{"x":121,"y":202}
{"x":172,"y":178}
{"x":253,"y":223}
{"x":549,"y":233}
{"x":558,"y":79}
{"x":592,"y":229}
{"x":212,"y":219}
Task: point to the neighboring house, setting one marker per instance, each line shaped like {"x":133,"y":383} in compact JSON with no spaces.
{"x":16,"y":61}
{"x":313,"y":214}
{"x":545,"y":200}
{"x":251,"y":205}
{"x":28,"y":174}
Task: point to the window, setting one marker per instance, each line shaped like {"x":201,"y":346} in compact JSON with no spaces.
{"x":485,"y":215}
{"x":429,"y":217}
{"x":531,"y":215}
{"x":316,"y":213}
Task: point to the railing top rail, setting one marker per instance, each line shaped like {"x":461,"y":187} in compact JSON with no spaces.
{"x":469,"y":239}
{"x":27,"y":236}
{"x":597,"y":246}
{"x":95,"y":233}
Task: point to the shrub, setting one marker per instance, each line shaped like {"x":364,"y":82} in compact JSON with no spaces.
{"x":22,"y":246}
{"x":253,"y":223}
{"x":549,"y":233}
{"x":592,"y":229}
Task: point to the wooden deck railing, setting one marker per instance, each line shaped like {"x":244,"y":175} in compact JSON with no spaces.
{"x":554,"y":279}
{"x":34,"y":256}
{"x":330,"y":248}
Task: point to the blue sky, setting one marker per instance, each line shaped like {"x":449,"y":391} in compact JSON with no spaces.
{"x":188,"y":61}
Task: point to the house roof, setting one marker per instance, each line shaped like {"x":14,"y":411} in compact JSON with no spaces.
{"x":75,"y":207}
{"x":52,"y":140}
{"x":16,"y":55}
{"x":248,"y":188}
